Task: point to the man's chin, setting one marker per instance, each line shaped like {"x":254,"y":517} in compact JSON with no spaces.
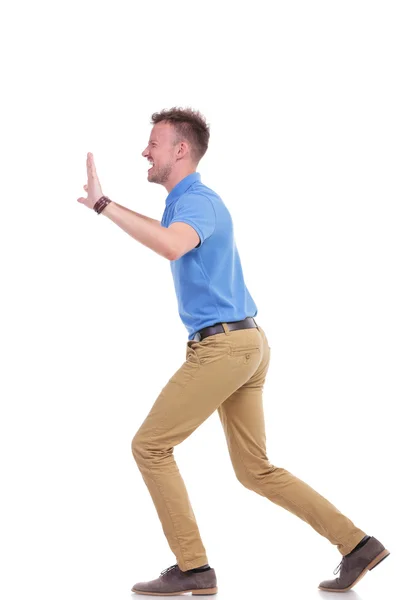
{"x":152,"y":178}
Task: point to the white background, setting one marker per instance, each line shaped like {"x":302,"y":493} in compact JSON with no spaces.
{"x":303,"y":102}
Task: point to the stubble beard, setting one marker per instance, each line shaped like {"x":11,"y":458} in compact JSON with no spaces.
{"x":160,"y":174}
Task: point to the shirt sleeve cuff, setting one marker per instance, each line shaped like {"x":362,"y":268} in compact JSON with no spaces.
{"x":195,"y":227}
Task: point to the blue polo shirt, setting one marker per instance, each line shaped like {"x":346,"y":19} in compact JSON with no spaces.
{"x":208,"y":280}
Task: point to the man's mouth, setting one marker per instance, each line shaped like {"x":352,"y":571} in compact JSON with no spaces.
{"x":152,"y":165}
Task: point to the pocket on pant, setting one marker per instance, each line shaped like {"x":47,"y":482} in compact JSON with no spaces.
{"x":246,"y":355}
{"x":245,"y":350}
{"x":210,"y":350}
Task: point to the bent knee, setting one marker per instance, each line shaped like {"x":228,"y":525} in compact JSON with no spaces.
{"x":143,"y":449}
{"x":251,"y":478}
{"x":137,"y":447}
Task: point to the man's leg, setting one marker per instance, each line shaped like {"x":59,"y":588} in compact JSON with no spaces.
{"x":194,"y":392}
{"x":243,"y":421}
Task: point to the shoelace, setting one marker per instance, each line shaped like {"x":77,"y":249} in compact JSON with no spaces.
{"x":169,"y":569}
{"x":336,"y":571}
{"x":341,"y":565}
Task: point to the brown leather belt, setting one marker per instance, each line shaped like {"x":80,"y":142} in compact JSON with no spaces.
{"x":247,"y":323}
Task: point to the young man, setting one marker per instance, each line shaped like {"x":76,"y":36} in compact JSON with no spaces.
{"x":227,"y":359}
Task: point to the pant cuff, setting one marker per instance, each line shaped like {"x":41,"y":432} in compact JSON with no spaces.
{"x":192,"y":564}
{"x":352,"y":542}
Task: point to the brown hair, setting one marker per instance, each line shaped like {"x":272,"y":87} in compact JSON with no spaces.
{"x":189,"y":125}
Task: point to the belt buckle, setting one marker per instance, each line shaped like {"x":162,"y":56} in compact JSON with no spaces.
{"x":197,"y":337}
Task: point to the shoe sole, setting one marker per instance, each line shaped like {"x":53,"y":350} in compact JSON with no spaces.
{"x":204,"y":592}
{"x":374,"y":563}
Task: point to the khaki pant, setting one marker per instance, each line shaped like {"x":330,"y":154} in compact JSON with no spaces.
{"x":225,"y":371}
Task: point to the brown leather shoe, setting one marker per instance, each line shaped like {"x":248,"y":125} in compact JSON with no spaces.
{"x":353,"y":567}
{"x":174,"y":582}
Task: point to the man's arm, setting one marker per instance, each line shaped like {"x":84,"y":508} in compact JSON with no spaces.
{"x":147,"y":218}
{"x":145,"y":230}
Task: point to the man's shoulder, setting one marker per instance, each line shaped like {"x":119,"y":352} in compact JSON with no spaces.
{"x":200,"y":189}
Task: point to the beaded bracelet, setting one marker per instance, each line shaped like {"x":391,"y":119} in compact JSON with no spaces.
{"x":101,"y":204}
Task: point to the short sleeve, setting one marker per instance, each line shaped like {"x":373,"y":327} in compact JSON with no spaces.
{"x":196,"y":210}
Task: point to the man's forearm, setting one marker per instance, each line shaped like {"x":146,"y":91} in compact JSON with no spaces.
{"x":145,"y":230}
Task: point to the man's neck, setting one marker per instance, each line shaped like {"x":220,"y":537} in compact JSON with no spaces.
{"x":172,"y":182}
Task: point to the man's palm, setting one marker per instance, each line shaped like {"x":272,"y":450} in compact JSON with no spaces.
{"x":93,"y":187}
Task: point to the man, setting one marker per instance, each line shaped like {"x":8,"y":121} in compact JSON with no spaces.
{"x":227,"y":359}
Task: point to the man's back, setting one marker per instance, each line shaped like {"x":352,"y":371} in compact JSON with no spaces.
{"x":209,"y":281}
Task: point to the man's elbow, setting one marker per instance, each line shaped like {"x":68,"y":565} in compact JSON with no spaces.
{"x":172,"y":253}
{"x":174,"y":250}
{"x":169,"y":257}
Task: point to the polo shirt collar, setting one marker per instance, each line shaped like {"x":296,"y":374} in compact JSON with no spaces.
{"x":182,"y":186}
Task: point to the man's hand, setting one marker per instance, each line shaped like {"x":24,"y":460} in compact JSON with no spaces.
{"x":145,"y":230}
{"x":93,"y":187}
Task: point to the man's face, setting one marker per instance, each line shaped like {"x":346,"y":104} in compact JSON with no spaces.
{"x":161,"y":152}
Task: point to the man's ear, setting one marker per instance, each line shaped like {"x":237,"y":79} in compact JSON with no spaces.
{"x":183,"y":150}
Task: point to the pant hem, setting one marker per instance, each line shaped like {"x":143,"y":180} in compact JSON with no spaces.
{"x":352,"y":543}
{"x":192,"y":564}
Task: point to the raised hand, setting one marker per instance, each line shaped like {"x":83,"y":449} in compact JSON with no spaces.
{"x":93,"y":187}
